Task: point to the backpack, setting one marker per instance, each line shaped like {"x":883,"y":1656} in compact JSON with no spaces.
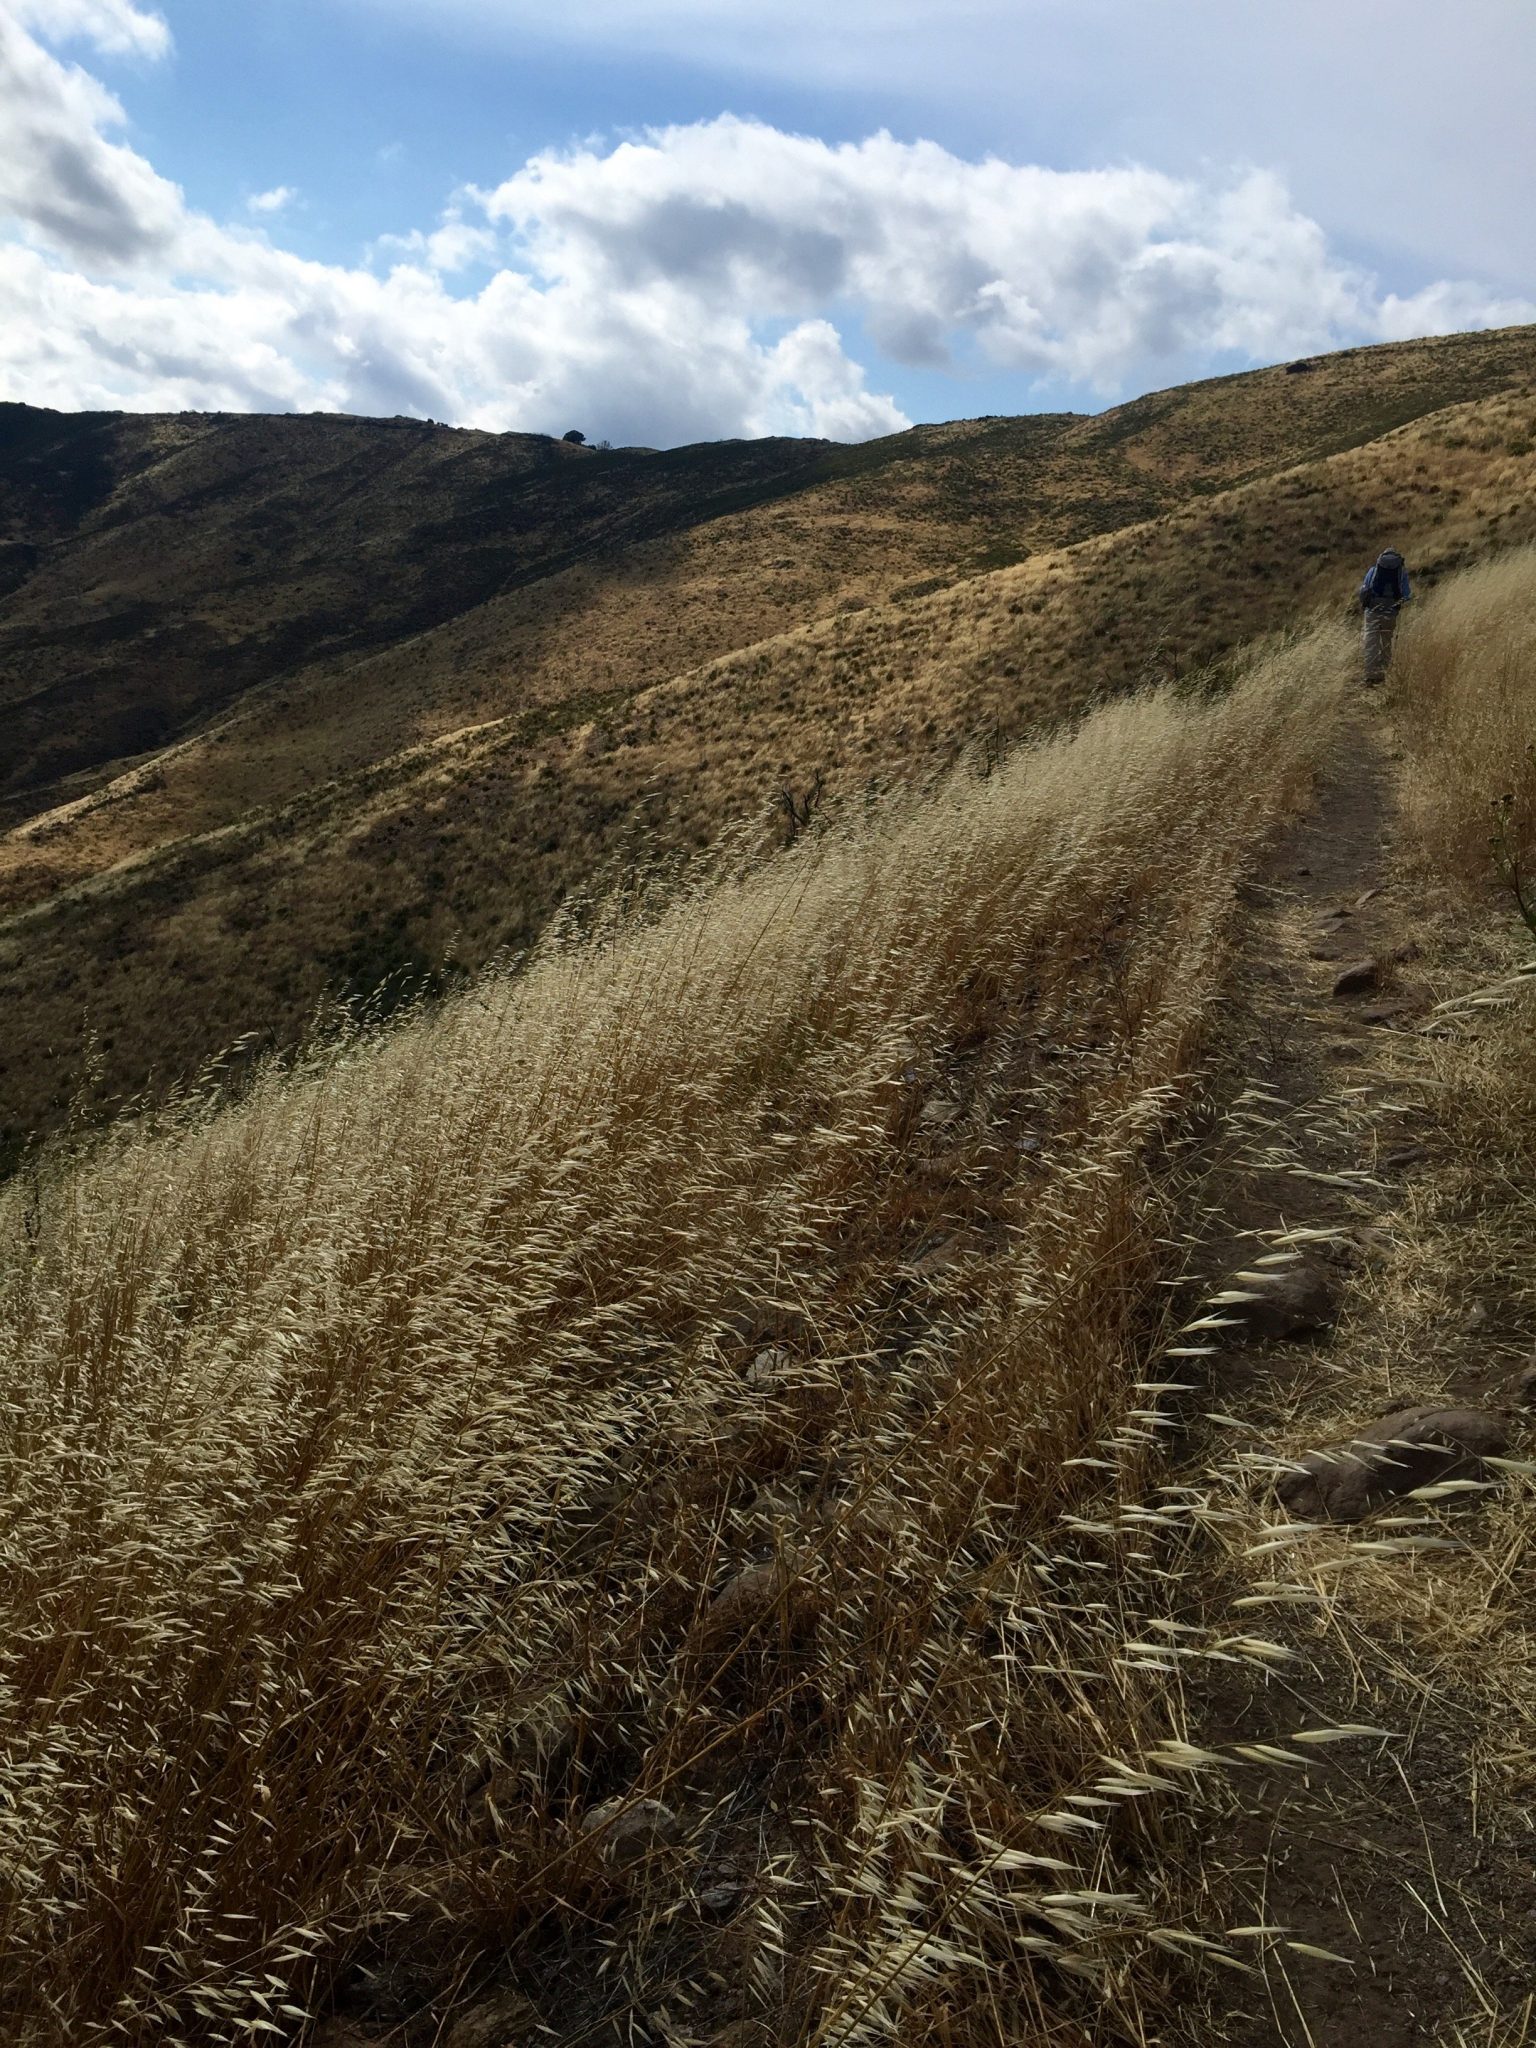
{"x":1384,"y":582}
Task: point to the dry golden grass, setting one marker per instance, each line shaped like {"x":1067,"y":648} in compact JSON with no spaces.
{"x":1462,"y":697}
{"x":204,"y":873}
{"x":691,"y":1370}
{"x":1463,"y":691}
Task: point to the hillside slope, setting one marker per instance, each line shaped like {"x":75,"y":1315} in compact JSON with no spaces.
{"x":723,"y":1488}
{"x":641,"y":1389}
{"x":304,"y":703}
{"x":158,"y":567}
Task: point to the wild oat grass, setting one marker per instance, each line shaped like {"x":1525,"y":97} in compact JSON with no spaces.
{"x":1465,"y":695}
{"x":1465,"y":698}
{"x":657,"y":1375}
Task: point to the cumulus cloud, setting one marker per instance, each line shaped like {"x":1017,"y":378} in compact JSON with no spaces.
{"x":276,"y":201}
{"x":454,"y":244}
{"x":62,"y":180}
{"x":1418,"y":171}
{"x":1093,"y":277}
{"x":1086,"y":275}
{"x":693,"y":282}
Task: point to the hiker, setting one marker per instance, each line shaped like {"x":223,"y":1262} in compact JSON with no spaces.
{"x":1382,"y":595}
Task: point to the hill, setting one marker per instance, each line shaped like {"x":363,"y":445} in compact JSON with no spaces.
{"x":722,"y":1488}
{"x":765,"y":1474}
{"x":302,"y":704}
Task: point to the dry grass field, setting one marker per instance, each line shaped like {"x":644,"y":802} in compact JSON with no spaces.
{"x":574,"y":1498}
{"x":693,"y":1490}
{"x":402,"y":689}
{"x":657,"y":1499}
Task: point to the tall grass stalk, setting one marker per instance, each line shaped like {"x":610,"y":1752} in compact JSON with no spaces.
{"x":1465,"y":693}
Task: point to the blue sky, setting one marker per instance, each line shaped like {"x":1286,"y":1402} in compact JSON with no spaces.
{"x":250,"y":100}
{"x":706,"y":218}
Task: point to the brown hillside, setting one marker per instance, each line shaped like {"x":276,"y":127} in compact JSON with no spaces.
{"x":399,"y":688}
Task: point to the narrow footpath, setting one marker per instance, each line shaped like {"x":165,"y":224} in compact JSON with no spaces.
{"x":1410,"y":1860}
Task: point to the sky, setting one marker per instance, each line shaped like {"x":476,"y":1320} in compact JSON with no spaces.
{"x":699,"y":218}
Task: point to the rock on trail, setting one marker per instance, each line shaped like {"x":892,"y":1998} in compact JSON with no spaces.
{"x":1358,"y":978}
{"x":1277,"y":1302}
{"x":1410,"y":1448}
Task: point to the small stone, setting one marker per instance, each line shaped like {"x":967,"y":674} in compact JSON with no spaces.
{"x":1391,"y":1457}
{"x":768,"y":1371}
{"x":938,"y":1113}
{"x":1372,"y":1244}
{"x":766,"y":1612}
{"x":720,"y":1897}
{"x":753,"y":1593}
{"x":1405,"y":1155}
{"x":1277,"y":1302}
{"x":628,"y":1831}
{"x":1323,"y":953}
{"x":506,"y":2020}
{"x":1357,"y":978}
{"x":942,"y":1257}
{"x":1525,"y":1388}
{"x":1385,"y":1013}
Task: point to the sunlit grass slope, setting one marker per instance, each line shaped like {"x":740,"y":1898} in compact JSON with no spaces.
{"x":656,"y":1376}
{"x":156,"y":569}
{"x":1466,"y":695}
{"x":431,"y":683}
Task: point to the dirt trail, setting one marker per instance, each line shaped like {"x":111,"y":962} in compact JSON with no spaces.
{"x":1396,"y":1856}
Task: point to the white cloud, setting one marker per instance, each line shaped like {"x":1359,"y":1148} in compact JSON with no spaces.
{"x":455,"y":244}
{"x":92,"y":200}
{"x":1402,"y":124}
{"x":116,"y":26}
{"x":686,"y":284}
{"x":276,"y":201}
{"x":1447,"y":308}
{"x":1098,"y":277}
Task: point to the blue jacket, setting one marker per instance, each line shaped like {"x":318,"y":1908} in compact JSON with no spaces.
{"x":1386,"y":584}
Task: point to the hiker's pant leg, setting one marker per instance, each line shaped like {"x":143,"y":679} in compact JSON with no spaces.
{"x":1379,"y":629}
